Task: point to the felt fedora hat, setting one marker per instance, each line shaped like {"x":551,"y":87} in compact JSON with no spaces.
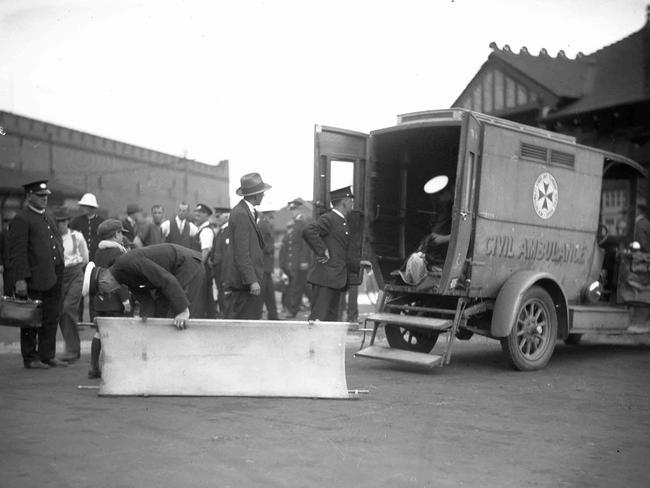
{"x":251,"y":184}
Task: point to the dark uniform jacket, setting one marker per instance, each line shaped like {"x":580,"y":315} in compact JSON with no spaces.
{"x":167,"y":268}
{"x":35,"y":249}
{"x":330,"y":232}
{"x":246,"y":247}
{"x":295,"y":250}
{"x":266,"y":229}
{"x":88,"y":227}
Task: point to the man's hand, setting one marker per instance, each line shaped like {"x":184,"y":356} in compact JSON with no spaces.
{"x":127,"y":306}
{"x":304,"y":266}
{"x":21,"y":288}
{"x":324,"y":258}
{"x":179,"y":320}
{"x":255,"y":288}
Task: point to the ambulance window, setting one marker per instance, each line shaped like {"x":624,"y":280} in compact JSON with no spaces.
{"x":341,"y":174}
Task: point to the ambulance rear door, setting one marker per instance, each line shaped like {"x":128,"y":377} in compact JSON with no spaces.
{"x":340,"y":157}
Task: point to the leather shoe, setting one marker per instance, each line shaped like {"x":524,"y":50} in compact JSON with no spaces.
{"x":94,"y":373}
{"x":36,"y":365}
{"x":54,"y":362}
{"x":70,"y":357}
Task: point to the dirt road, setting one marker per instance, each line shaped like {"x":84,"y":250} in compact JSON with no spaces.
{"x":583,"y":421}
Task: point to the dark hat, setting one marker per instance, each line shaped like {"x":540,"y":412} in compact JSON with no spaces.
{"x":251,"y":184}
{"x":296,"y":202}
{"x":221,"y":210}
{"x":341,"y":193}
{"x":108,"y":228}
{"x":200,"y":207}
{"x":61,"y":213}
{"x":38,"y":187}
{"x":132,"y":208}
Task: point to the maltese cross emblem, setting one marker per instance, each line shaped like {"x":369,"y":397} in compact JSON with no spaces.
{"x":545,"y":195}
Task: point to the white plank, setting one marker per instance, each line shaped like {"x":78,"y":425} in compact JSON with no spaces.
{"x":223,"y":358}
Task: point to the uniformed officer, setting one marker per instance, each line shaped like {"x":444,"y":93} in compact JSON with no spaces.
{"x":329,"y":237}
{"x":36,"y":267}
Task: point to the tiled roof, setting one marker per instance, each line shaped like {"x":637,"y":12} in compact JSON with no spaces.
{"x":619,"y":76}
{"x":614,"y":75}
{"x":562,"y":76}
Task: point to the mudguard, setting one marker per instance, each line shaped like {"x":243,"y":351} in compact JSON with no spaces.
{"x":509,"y":299}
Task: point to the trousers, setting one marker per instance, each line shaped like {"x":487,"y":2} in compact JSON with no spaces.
{"x":40,"y":343}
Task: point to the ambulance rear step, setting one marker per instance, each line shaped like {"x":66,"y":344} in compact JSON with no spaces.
{"x":416,"y":322}
{"x":400,"y":356}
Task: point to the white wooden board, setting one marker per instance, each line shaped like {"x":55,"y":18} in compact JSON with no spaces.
{"x":223,"y":358}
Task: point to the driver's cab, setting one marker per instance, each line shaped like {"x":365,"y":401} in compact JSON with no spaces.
{"x":625,"y":273}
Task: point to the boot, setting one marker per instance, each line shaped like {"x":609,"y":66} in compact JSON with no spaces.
{"x":95,"y":350}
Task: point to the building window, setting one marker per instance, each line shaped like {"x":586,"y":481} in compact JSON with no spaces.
{"x":478,"y":99}
{"x":510,"y":93}
{"x":522,"y":96}
{"x":488,"y":88}
{"x":498,"y":90}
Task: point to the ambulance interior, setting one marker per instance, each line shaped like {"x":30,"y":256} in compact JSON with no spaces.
{"x":402,"y":214}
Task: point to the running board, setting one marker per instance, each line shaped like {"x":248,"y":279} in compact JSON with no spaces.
{"x":411,"y":321}
{"x":400,"y":356}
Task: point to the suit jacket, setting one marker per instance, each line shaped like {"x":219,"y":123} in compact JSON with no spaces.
{"x":167,"y":268}
{"x":88,"y":227}
{"x":329,"y":232}
{"x":266,"y":229}
{"x":35,"y":249}
{"x":246,"y":248}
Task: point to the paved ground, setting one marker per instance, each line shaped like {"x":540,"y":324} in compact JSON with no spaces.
{"x":583,"y":421}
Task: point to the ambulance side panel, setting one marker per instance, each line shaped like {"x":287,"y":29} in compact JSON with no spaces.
{"x":538,"y":209}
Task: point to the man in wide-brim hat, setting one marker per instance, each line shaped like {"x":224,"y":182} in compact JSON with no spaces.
{"x":243,"y":271}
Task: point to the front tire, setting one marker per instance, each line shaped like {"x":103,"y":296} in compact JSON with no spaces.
{"x":531,"y":342}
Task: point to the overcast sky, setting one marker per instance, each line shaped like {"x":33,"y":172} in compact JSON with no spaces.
{"x":247,"y":80}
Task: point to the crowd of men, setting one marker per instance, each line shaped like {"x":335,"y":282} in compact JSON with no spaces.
{"x":209,"y":263}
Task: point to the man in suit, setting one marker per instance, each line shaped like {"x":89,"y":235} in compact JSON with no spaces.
{"x":167,"y":280}
{"x":642,"y":227}
{"x":298,"y":259}
{"x":36,"y":267}
{"x":329,"y":238}
{"x":268,"y":289}
{"x":244,"y":272}
{"x":131,"y":222}
{"x":221,"y":254}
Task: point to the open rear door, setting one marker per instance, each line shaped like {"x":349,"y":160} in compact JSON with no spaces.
{"x":464,"y":205}
{"x":340,"y":160}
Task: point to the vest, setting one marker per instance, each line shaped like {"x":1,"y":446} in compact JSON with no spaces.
{"x":175,"y":236}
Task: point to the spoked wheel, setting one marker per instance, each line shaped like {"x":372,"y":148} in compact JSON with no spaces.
{"x":415,"y":340}
{"x":532,"y":338}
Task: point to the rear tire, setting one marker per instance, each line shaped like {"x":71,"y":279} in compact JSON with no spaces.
{"x":531,"y":342}
{"x":416,"y":340}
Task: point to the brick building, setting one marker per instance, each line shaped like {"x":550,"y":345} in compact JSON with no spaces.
{"x":602,"y":99}
{"x":117,"y":173}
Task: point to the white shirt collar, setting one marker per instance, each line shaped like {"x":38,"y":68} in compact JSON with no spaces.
{"x":250,"y":207}
{"x":34,"y":209}
{"x":339,"y":214}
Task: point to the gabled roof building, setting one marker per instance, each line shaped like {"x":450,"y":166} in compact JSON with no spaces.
{"x":602,"y":98}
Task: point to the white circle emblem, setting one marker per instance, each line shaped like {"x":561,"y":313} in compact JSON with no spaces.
{"x":545,"y":195}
